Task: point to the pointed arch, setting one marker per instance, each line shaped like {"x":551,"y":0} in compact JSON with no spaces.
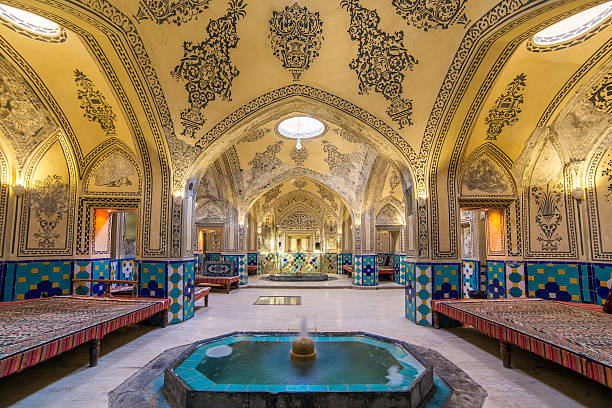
{"x":486,"y":175}
{"x":113,"y":171}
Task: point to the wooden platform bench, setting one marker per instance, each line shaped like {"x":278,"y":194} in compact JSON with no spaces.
{"x":36,"y":330}
{"x":200,"y":293}
{"x":225,"y":282}
{"x":570,"y":334}
{"x":386,"y":272}
{"x":348,"y":270}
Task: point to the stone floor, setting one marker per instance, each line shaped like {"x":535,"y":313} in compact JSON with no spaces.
{"x":337,"y":282}
{"x":66,"y":381}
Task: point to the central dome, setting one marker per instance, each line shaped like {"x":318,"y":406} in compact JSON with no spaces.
{"x":301,"y":127}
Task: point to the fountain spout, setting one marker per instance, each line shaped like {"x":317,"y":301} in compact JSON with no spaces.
{"x":303,"y":348}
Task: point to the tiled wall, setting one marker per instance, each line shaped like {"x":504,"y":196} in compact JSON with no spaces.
{"x":470,"y":276}
{"x":446,"y":281}
{"x":602,"y":282}
{"x":296,"y":262}
{"x":240,"y":269}
{"x":252,"y":260}
{"x":364,"y":270}
{"x":496,"y":279}
{"x":410,"y":292}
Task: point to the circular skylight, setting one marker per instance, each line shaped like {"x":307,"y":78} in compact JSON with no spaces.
{"x":574,"y":26}
{"x":29,"y":21}
{"x":301,"y":127}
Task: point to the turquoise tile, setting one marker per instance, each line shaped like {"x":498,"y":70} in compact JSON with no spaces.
{"x":203,"y":384}
{"x":297,"y":388}
{"x":322,"y":338}
{"x":190,"y":363}
{"x":236,"y":388}
{"x":191,"y":375}
{"x":284,"y":338}
{"x":338,"y":387}
{"x":358,"y":388}
{"x":219,"y":387}
{"x":378,"y":387}
{"x":318,"y":388}
{"x":257,"y":387}
{"x":277,"y":388}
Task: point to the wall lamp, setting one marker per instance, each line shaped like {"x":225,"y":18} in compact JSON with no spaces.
{"x":18,"y":190}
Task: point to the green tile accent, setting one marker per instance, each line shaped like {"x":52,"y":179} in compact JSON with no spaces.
{"x":257,"y":387}
{"x":318,"y":388}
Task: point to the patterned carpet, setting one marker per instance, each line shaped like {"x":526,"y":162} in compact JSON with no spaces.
{"x":579,"y":330}
{"x":25,"y":325}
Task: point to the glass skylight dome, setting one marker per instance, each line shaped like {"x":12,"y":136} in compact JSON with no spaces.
{"x":574,"y":26}
{"x":29,"y":21}
{"x":301,"y":127}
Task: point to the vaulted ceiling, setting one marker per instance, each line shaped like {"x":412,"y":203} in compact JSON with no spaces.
{"x":182,"y":84}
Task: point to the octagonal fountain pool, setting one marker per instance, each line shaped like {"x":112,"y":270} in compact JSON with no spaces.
{"x":256,"y":369}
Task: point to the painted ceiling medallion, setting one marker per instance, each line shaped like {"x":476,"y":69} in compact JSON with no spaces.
{"x":207,"y":69}
{"x":381,"y":61}
{"x":94,"y":103}
{"x":170,"y":11}
{"x":296,"y":36}
{"x":574,"y":26}
{"x":601,"y":94}
{"x":426,"y":14}
{"x":299,"y":156}
{"x":506,"y":108}
{"x":31,"y":25}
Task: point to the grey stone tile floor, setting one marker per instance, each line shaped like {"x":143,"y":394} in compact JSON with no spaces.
{"x":66,"y":381}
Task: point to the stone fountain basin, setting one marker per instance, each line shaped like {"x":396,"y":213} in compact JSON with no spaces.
{"x":259,"y":374}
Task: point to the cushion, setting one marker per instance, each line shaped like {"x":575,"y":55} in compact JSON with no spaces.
{"x":216,"y":268}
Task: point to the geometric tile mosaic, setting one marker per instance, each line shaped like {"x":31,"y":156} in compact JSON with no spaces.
{"x":469,"y":277}
{"x":153,"y":279}
{"x":41,"y":279}
{"x":496,"y":278}
{"x":446,"y":281}
{"x":602,"y":282}
{"x":175,"y":292}
{"x":364,"y":271}
{"x":410,"y":292}
{"x":188,"y":290}
{"x":423,"y":278}
{"x":515,"y":280}
{"x":553,"y":281}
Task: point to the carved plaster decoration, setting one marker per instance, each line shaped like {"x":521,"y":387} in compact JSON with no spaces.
{"x":394,"y":180}
{"x":483,"y":176}
{"x":388,"y":215}
{"x":349,"y":136}
{"x":329,"y":196}
{"x":607,"y":172}
{"x":300,"y":183}
{"x":548,"y":218}
{"x":506,"y":108}
{"x":601,"y":94}
{"x":426,"y":14}
{"x":299,"y":221}
{"x":206,"y":67}
{"x":24,"y":120}
{"x":296,"y":36}
{"x":299,"y":156}
{"x":266,"y":161}
{"x":271,"y":194}
{"x":170,"y":11}
{"x":94,"y":103}
{"x":254,"y":135}
{"x":115,"y":171}
{"x":338,"y":163}
{"x":49,"y":201}
{"x":381,"y":61}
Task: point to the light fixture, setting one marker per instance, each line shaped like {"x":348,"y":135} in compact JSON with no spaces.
{"x":574,"y":26}
{"x":300,"y":127}
{"x":18,"y":190}
{"x":578,"y":193}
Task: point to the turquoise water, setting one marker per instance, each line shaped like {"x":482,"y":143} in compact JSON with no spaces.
{"x":342,"y":362}
{"x":262,"y":363}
